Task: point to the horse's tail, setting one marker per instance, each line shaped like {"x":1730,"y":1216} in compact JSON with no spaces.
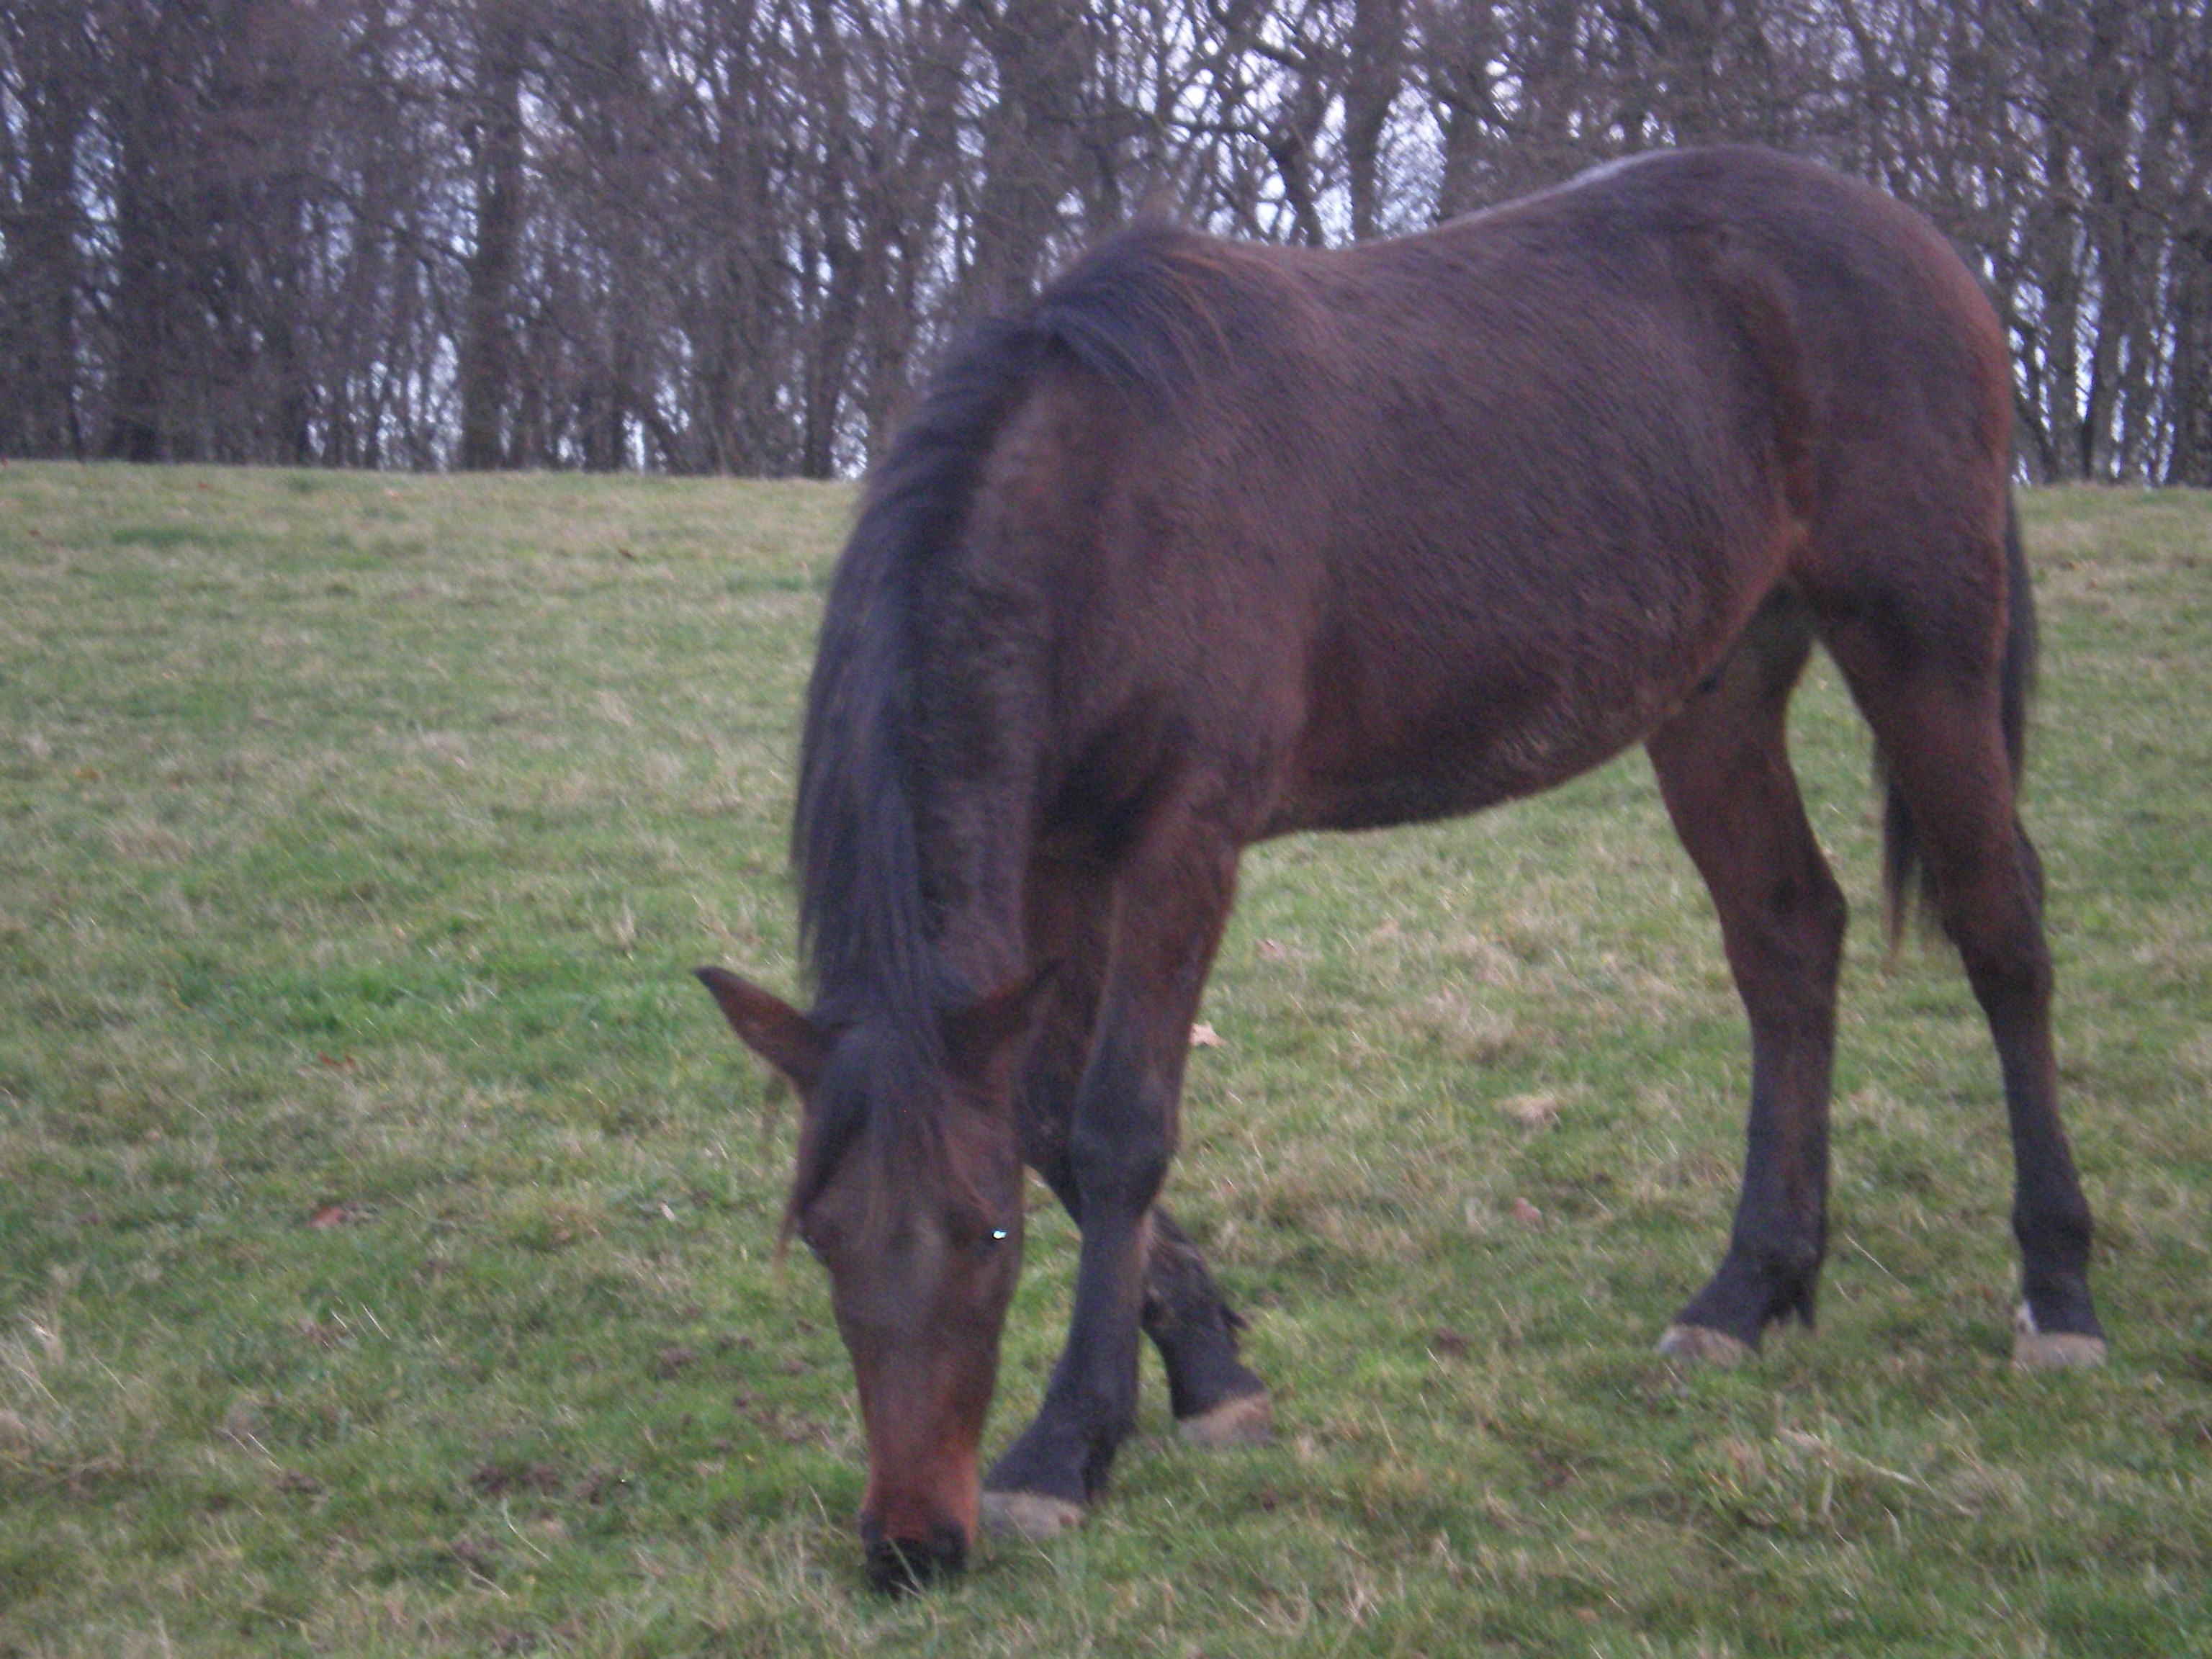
{"x":1142,"y":312}
{"x":1905,"y":877}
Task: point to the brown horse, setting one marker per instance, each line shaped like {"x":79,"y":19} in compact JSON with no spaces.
{"x":1216,"y":543}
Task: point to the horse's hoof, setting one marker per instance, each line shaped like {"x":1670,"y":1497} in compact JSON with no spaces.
{"x":1028,"y":1515}
{"x":1701,"y":1345}
{"x":2051,"y":1351}
{"x":1247,"y":1420}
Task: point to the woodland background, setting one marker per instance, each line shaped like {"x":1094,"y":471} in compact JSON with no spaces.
{"x":727,"y":235}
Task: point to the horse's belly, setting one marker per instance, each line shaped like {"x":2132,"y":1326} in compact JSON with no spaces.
{"x":1444,"y":785}
{"x":1443,"y":756}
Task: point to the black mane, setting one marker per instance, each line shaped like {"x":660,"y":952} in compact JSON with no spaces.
{"x":1144,"y":311}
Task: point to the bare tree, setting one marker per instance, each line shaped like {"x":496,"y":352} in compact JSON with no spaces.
{"x":50,"y":68}
{"x":730,"y":234}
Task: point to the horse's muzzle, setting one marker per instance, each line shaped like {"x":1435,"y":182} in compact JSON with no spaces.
{"x":897,"y":1566}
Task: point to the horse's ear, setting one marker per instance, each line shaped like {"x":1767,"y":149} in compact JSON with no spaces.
{"x":977,"y":1035}
{"x":770,"y":1027}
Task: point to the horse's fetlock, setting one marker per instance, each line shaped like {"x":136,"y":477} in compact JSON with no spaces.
{"x":1787,"y":1269}
{"x":2060,"y":1233}
{"x":1798,"y":1256}
{"x":1800,"y":1300}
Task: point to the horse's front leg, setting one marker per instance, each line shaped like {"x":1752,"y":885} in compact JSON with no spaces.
{"x":1217,"y":1401}
{"x":1169,"y":906}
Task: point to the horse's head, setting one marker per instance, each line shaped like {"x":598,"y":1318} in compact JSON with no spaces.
{"x":909,"y":1191}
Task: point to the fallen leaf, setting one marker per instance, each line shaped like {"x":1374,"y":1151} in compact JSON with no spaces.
{"x":1203,"y":1036}
{"x":1447,"y":1345}
{"x":1537,"y":1112}
{"x":333,"y":1215}
{"x":1526,"y":1213}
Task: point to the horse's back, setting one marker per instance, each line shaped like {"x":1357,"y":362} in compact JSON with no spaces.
{"x":1449,"y":517}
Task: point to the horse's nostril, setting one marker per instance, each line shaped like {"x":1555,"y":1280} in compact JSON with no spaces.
{"x":899,"y":1565}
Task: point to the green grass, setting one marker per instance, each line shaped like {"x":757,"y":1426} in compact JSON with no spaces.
{"x":386,"y":1219}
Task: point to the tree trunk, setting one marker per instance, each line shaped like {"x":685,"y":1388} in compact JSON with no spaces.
{"x":486,"y":351}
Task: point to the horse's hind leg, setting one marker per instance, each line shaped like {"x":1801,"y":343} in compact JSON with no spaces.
{"x":1946,"y":747}
{"x":1723,"y":768}
{"x":1217,"y":1401}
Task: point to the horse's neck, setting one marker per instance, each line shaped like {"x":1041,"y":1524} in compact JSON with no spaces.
{"x":974,"y":822}
{"x":973,"y":842}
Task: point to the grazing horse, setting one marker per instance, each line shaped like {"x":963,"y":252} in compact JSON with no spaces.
{"x":1217,"y":541}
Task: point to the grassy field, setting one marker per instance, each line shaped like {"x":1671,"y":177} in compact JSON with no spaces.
{"x":387,"y":1217}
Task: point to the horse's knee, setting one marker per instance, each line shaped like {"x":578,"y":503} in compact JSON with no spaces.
{"x":1827,"y":912}
{"x":1808,"y":909}
{"x":1999,"y":935}
{"x":1787,"y":949}
{"x":1122,"y":1171}
{"x":1121,"y":1133}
